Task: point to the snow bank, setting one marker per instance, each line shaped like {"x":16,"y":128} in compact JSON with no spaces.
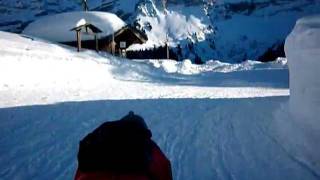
{"x":187,"y":68}
{"x":57,"y":27}
{"x":302,"y":48}
{"x":303,"y":51}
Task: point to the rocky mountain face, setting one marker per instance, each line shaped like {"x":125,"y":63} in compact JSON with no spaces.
{"x":228,"y":30}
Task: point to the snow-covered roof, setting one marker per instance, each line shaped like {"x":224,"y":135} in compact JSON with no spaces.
{"x":57,"y":27}
{"x":81,"y":22}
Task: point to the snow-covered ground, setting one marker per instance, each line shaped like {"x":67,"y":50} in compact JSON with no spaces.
{"x":59,"y":74}
{"x":214,"y":121}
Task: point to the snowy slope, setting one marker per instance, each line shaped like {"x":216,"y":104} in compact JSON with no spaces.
{"x":40,"y":142}
{"x":52,"y":96}
{"x":85,"y":82}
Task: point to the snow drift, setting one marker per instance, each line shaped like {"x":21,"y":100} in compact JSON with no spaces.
{"x":303,"y":51}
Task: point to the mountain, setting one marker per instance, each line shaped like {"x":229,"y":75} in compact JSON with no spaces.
{"x":228,"y":30}
{"x":213,"y":121}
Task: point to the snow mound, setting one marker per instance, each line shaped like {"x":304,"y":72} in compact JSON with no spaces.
{"x":187,"y":68}
{"x":302,"y":48}
{"x":171,"y":66}
{"x":57,"y":27}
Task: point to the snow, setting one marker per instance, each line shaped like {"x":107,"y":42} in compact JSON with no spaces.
{"x":57,"y":27}
{"x":186,"y":67}
{"x":303,"y":51}
{"x":214,"y":121}
{"x":302,"y":47}
{"x":81,"y":22}
{"x":57,"y":73}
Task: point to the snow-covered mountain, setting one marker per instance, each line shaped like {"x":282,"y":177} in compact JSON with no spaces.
{"x":228,"y":30}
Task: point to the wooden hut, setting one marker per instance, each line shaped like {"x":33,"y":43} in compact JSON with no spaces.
{"x":113,"y":35}
{"x":116,"y":43}
{"x":122,"y":39}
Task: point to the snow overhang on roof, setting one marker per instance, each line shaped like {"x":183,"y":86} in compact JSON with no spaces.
{"x":87,"y":27}
{"x":57,"y":27}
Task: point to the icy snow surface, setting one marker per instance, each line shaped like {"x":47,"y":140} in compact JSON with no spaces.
{"x":213,"y":121}
{"x":54,"y":29}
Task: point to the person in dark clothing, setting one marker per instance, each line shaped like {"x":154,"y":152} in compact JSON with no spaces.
{"x":122,"y":150}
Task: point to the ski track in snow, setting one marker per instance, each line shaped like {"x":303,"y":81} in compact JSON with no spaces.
{"x":211,"y":144}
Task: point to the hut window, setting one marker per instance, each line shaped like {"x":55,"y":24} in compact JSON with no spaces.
{"x":123,"y":44}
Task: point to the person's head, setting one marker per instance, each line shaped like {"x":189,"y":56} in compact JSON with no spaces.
{"x":136,"y":121}
{"x":117,"y":146}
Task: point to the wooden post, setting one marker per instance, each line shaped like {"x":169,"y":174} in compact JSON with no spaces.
{"x":168,"y":55}
{"x":167,"y":46}
{"x":79,"y":40}
{"x":113,"y":44}
{"x":97,"y":42}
